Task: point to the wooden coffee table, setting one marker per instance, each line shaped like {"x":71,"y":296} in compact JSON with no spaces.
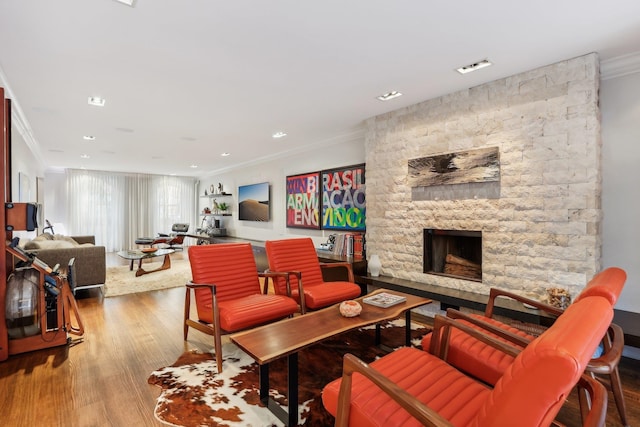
{"x":287,"y":337}
{"x":137,"y":255}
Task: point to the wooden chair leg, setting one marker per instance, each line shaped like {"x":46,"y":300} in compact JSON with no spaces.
{"x":187,"y":310}
{"x":218,"y":345}
{"x":616,"y":388}
{"x":584,"y":400}
{"x":216,"y":330}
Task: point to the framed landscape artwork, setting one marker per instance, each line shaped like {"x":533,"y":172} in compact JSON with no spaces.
{"x":343,"y":198}
{"x":253,"y":202}
{"x":303,"y":200}
{"x":470,"y":166}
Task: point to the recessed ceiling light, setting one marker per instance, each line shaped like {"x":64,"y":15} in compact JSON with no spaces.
{"x":85,"y":156}
{"x":389,"y":95}
{"x":131,"y":3}
{"x":225,"y":154}
{"x":89,"y":138}
{"x":96,"y":101}
{"x":279,"y":135}
{"x":473,"y":67}
{"x":193,"y":166}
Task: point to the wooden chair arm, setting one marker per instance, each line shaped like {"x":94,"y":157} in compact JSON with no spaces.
{"x":417,"y":409}
{"x":613,"y":343}
{"x":495,"y":292}
{"x":594,"y":412}
{"x":272,"y":275}
{"x":192,"y":285}
{"x":346,"y":265}
{"x":442,"y":331}
{"x":509,"y":336}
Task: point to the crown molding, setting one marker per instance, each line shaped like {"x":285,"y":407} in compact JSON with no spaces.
{"x":620,"y":66}
{"x":20,"y":123}
{"x":347,"y":136}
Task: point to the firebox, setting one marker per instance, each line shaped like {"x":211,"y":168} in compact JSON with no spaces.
{"x":453,"y":253}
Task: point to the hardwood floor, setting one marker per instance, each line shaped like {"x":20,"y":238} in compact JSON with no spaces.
{"x":102,"y":380}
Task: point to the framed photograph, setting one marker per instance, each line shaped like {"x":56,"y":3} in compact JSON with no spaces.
{"x":303,"y":200}
{"x":253,"y":202}
{"x":343,"y":198}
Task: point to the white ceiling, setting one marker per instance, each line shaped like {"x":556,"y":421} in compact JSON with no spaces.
{"x":185,"y":81}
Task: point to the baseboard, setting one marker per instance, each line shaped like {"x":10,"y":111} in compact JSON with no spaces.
{"x":631,"y":352}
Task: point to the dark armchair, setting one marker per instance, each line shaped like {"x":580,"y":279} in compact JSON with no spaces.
{"x":176,"y":237}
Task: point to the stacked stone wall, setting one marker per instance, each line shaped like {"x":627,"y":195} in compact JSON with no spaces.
{"x":542,"y":227}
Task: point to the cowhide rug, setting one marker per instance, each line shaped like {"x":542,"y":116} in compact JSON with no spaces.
{"x":194,"y":394}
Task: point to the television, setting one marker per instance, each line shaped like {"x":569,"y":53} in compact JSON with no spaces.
{"x":253,"y":202}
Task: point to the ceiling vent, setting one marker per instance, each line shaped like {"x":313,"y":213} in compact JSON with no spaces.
{"x":131,"y":3}
{"x":389,"y":95}
{"x":473,"y":67}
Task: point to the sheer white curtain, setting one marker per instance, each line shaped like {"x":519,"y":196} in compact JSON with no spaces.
{"x":118,"y":208}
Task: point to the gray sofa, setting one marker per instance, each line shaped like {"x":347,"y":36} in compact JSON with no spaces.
{"x":90,"y":263}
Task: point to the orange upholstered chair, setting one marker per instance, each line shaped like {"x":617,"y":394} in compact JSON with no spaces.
{"x":298,"y":257}
{"x":488,"y":364}
{"x":411,"y":387}
{"x":227,"y":292}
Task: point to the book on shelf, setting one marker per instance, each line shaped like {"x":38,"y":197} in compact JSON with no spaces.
{"x":384,"y":299}
{"x":358,"y":245}
{"x":349,"y":244}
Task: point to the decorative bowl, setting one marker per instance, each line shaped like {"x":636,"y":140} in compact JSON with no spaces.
{"x":350,"y":308}
{"x":558,"y":297}
{"x":148,"y":250}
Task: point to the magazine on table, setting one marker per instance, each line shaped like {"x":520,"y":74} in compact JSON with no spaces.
{"x":384,"y":299}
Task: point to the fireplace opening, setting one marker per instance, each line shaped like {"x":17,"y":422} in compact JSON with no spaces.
{"x":453,"y":253}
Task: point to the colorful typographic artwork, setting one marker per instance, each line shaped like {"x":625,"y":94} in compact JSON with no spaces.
{"x":303,"y":200}
{"x":343,"y":198}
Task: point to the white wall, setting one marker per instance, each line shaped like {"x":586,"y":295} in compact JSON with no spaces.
{"x":55,"y":200}
{"x":23,"y":162}
{"x":620,"y":107}
{"x":349,"y":152}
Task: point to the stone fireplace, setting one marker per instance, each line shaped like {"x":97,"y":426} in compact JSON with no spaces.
{"x":540,"y":222}
{"x":453,"y":253}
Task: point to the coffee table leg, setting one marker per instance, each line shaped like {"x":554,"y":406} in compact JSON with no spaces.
{"x":264,"y":383}
{"x":292,"y":362}
{"x":289,"y":417}
{"x":407,"y":332}
{"x":165,"y":265}
{"x":407,"y":327}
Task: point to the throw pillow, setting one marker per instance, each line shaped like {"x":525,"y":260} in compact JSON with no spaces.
{"x":61,"y":238}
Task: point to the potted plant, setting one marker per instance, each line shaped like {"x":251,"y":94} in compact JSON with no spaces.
{"x":223,"y":207}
